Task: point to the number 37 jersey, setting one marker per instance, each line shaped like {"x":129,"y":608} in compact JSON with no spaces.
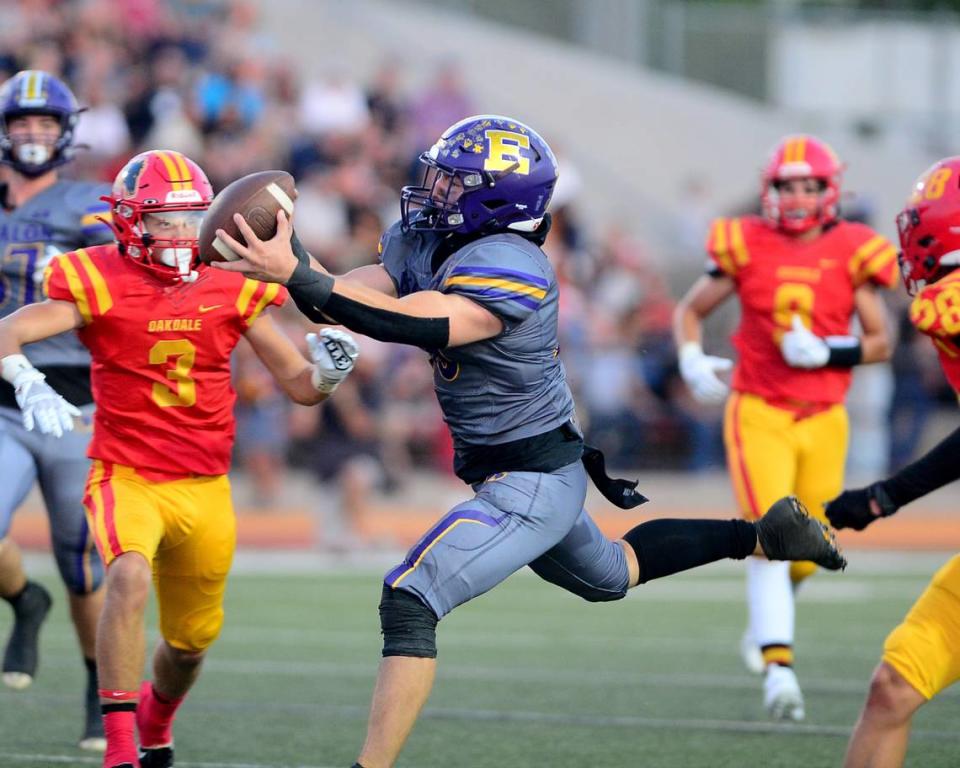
{"x":161,"y":357}
{"x":778,"y":277}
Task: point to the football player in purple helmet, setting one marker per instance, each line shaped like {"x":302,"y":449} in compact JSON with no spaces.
{"x":42,"y":215}
{"x":463,"y":276}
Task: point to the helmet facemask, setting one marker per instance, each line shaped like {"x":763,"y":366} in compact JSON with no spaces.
{"x":435,"y":204}
{"x":160,"y":238}
{"x":794,"y":218}
{"x":36,"y":93}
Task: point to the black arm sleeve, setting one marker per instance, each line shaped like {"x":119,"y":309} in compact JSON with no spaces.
{"x":382,"y":324}
{"x":313,"y":294}
{"x":933,"y":470}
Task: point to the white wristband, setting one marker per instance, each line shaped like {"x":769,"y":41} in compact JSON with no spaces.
{"x":689,"y":350}
{"x":12,"y":366}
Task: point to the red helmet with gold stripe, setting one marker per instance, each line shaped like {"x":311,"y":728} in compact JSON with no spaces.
{"x":929,"y":226}
{"x":801,"y":157}
{"x":158,"y":201}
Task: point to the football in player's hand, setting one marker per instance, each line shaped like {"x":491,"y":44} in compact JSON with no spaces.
{"x":257,"y":198}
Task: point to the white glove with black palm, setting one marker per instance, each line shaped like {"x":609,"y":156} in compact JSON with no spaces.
{"x":699,"y":371}
{"x":333,"y":353}
{"x":802,"y":348}
{"x":40,"y":405}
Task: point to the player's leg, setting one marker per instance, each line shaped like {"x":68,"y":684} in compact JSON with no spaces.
{"x":125,"y":521}
{"x":191,"y":577}
{"x":823,"y":440}
{"x":514,"y":518}
{"x":920,"y":659}
{"x":62,"y":473}
{"x":882,"y":732}
{"x":588,"y":564}
{"x":30,"y":601}
{"x":761,"y":459}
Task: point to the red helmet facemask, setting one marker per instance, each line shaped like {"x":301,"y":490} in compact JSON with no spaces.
{"x":801,"y":157}
{"x":158,"y":200}
{"x":929,"y":226}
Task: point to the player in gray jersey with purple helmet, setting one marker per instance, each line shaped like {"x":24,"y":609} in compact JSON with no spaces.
{"x":462,"y":275}
{"x":43,"y":215}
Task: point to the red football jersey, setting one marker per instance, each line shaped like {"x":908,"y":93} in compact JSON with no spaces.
{"x":161,"y":357}
{"x":936,"y":312}
{"x":778,"y":276}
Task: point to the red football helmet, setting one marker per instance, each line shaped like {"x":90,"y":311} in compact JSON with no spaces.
{"x":801,"y":157}
{"x":929,"y":226}
{"x":158,"y":201}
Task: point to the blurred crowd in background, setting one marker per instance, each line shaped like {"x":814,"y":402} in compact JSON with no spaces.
{"x":201,"y":77}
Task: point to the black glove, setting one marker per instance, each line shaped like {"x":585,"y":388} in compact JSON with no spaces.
{"x":851,"y":509}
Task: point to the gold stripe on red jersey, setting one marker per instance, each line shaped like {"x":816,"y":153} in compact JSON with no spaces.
{"x":882,"y":268}
{"x":272,"y":289}
{"x":717,"y":246}
{"x":96,"y":280}
{"x":48,"y":274}
{"x":864,"y":251}
{"x":945,"y":347}
{"x":738,"y":245}
{"x":246,"y":293}
{"x":75,"y":284}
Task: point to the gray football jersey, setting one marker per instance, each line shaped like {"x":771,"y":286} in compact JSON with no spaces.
{"x":510,"y":386}
{"x":61,"y":218}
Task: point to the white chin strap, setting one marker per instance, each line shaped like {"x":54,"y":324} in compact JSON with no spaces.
{"x":180,"y":258}
{"x":33,"y":154}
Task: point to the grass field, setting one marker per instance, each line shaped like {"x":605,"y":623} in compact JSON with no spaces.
{"x":529,"y":676}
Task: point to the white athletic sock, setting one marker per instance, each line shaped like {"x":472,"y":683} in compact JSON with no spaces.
{"x":770,"y":602}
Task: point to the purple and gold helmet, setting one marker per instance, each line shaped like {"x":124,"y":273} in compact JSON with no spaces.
{"x":487,"y":173}
{"x":32,"y":92}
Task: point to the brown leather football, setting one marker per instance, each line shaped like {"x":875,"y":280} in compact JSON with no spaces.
{"x":257,"y":197}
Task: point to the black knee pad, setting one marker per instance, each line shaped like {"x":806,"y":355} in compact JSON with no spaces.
{"x":408,"y":625}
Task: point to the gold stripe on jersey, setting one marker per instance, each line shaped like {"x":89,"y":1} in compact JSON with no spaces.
{"x":718,"y":238}
{"x":946,"y":348}
{"x":879,"y":261}
{"x":172,"y":171}
{"x":268,"y":296}
{"x":869,"y":248}
{"x":246,"y":293}
{"x":76,"y":288}
{"x":740,"y":255}
{"x":100,"y":289}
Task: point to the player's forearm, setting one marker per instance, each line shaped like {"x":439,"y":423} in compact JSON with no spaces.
{"x":35,"y":322}
{"x":687,"y":325}
{"x":933,"y":470}
{"x":324,"y":299}
{"x":876,"y":348}
{"x":301,"y":389}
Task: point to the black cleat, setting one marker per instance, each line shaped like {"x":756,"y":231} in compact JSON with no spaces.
{"x":21,"y":655}
{"x":93,"y":739}
{"x":787,"y":532}
{"x":158,"y":757}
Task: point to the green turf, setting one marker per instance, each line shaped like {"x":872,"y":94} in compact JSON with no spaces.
{"x":529,"y":676}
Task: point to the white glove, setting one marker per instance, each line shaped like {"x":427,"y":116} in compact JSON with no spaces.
{"x":700,"y":373}
{"x":333,"y":353}
{"x":39,"y":403}
{"x":802,"y":348}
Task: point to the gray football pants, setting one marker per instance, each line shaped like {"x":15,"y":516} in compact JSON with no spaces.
{"x":60,"y":466}
{"x":515,"y":519}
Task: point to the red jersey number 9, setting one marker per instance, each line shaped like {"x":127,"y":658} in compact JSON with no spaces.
{"x":789,"y":300}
